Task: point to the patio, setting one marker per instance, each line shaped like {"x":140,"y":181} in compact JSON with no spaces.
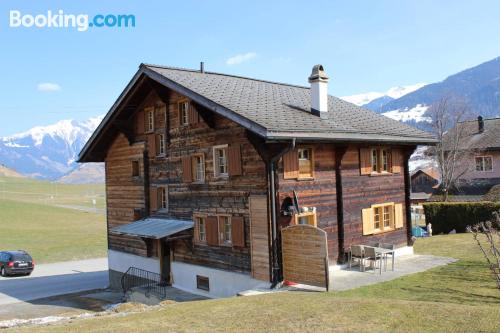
{"x":345,"y":278}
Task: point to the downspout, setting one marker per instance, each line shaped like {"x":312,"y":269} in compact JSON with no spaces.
{"x":275,"y":269}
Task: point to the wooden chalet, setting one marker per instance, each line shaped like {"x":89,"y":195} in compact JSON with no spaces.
{"x":204,"y":170}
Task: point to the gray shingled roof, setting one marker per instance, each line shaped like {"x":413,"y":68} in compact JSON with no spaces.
{"x":283,"y":110}
{"x":274,"y":111}
{"x":155,"y":228}
{"x":489,"y":139}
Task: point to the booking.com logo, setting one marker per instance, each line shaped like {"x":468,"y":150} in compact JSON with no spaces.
{"x":81,"y":22}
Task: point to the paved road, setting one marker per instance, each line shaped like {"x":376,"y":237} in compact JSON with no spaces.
{"x":55,"y":279}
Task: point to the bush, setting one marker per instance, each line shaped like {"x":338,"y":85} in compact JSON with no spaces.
{"x":446,"y":216}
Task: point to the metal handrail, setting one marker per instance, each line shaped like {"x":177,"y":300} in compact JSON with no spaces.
{"x":139,"y":278}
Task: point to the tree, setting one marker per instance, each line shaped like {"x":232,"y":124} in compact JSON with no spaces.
{"x":453,"y":160}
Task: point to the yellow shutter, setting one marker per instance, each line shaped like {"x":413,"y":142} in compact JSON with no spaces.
{"x":365,"y":161}
{"x":367,"y":215}
{"x":398,"y":215}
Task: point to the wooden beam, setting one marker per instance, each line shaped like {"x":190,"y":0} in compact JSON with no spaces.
{"x":206,"y":114}
{"x":339,"y":154}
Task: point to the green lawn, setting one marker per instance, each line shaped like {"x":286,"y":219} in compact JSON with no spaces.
{"x":49,"y":233}
{"x":459,"y":297}
{"x":51,"y":193}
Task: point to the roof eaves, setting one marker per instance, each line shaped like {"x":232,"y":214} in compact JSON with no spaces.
{"x":108,"y":115}
{"x":343,"y":136}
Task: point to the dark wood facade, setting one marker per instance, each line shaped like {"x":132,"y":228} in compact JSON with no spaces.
{"x":337,"y":182}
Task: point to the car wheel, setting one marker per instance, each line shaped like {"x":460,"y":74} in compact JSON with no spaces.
{"x":3,"y":272}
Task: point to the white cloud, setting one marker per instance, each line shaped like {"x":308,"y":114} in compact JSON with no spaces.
{"x":48,"y":87}
{"x":240,"y":58}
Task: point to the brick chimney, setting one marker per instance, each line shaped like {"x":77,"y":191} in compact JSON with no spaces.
{"x":480,"y":124}
{"x":319,"y":91}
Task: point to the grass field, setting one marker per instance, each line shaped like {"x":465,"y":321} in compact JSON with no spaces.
{"x":51,"y":193}
{"x":460,"y":297}
{"x":30,"y":219}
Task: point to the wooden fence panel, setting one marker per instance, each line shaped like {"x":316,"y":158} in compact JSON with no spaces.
{"x":305,"y":255}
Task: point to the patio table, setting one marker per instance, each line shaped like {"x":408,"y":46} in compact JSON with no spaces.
{"x":384,"y":252}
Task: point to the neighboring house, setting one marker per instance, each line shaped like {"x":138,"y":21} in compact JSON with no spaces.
{"x":424,"y":180}
{"x":481,"y":138}
{"x":201,"y":170}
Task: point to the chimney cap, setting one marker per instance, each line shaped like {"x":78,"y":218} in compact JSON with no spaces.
{"x":318,"y":74}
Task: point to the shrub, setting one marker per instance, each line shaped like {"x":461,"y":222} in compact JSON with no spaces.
{"x":446,"y":216}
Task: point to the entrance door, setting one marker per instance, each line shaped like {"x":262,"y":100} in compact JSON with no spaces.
{"x":164,"y":256}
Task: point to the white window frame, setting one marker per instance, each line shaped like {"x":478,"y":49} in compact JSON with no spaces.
{"x":483,"y":157}
{"x":310,"y":160}
{"x":163,"y":199}
{"x":150,"y":112}
{"x":197,"y":217}
{"x":184,"y":113}
{"x":194,"y":166}
{"x":161,"y":150}
{"x":222,"y":230}
{"x":217,"y":172}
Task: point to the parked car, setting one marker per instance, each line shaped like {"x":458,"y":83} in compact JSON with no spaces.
{"x":16,"y":263}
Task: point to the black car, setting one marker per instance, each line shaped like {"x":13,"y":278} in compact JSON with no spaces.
{"x":16,"y":263}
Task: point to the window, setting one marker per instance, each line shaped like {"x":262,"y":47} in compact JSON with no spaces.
{"x":220,"y":161}
{"x":184,"y":113}
{"x":380,"y":160}
{"x":163,"y":198}
{"x":382,"y":217}
{"x":305,"y":162}
{"x":386,"y":217}
{"x":161,"y":144}
{"x":202,"y":282}
{"x":201,"y":229}
{"x":484,"y":163}
{"x":376,"y":217}
{"x":150,"y":119}
{"x":374,"y":160}
{"x":135,"y":168}
{"x":225,"y":230}
{"x":198,"y":165}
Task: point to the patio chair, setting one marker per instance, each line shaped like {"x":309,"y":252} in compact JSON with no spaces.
{"x":371,"y":255}
{"x":389,"y":247}
{"x":356,"y":253}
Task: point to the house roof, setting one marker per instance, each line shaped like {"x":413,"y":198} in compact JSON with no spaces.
{"x":489,"y":139}
{"x":155,"y":228}
{"x":274,"y":111}
{"x":430,"y":171}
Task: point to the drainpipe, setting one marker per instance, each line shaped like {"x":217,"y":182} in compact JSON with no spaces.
{"x":276,"y":269}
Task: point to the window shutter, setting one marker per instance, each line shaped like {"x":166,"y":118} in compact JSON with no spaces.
{"x":367,"y":215}
{"x":153,"y":199}
{"x":365,"y":161}
{"x":193,"y":115}
{"x":238,"y":231}
{"x":397,"y":161}
{"x":212,"y":230}
{"x":234,"y":160}
{"x":291,"y":165}
{"x":157,"y":144}
{"x":398,"y":215}
{"x":152,"y":145}
{"x":187,"y":171}
{"x":139,"y":122}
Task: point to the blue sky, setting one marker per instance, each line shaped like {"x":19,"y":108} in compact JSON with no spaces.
{"x":364,"y":46}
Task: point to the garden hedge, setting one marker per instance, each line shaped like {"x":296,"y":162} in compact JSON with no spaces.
{"x":448,"y":216}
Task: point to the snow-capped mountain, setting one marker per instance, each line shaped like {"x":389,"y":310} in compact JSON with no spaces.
{"x":391,"y":94}
{"x":47,"y":152}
